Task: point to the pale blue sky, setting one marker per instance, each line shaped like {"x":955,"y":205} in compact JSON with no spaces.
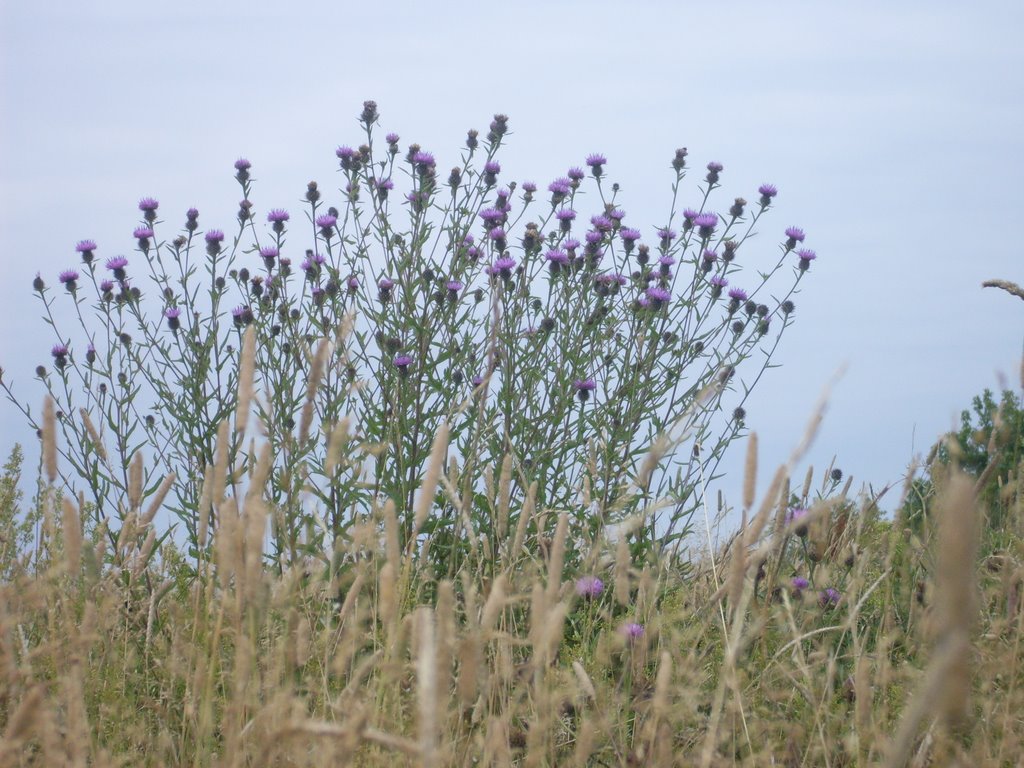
{"x":894,"y":131}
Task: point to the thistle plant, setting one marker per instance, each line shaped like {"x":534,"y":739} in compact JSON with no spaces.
{"x":537,"y":342}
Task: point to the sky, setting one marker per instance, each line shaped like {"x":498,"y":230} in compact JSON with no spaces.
{"x":893,"y":130}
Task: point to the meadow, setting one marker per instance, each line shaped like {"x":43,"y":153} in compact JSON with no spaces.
{"x":440,"y":498}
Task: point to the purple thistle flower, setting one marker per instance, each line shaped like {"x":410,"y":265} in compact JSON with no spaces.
{"x":565,"y":214}
{"x":689,"y":215}
{"x":529,"y":187}
{"x":106,"y":286}
{"x":593,"y":238}
{"x":326,"y":221}
{"x":117,"y":263}
{"x":601,"y":223}
{"x":402,"y":362}
{"x":68,"y":278}
{"x":278,"y":216}
{"x":384,"y":186}
{"x":345,"y":153}
{"x":497,"y":234}
{"x":214,"y":236}
{"x":571,"y":245}
{"x":767,"y":191}
{"x":795,"y":235}
{"x":172,"y":312}
{"x":806,"y":254}
{"x":493,"y":167}
{"x":595,"y":161}
{"x":589,"y":587}
{"x":143,"y":233}
{"x":829,"y":597}
{"x":800,"y":583}
{"x":633,"y":631}
{"x":719,"y":282}
{"x":85,"y":246}
{"x":555,"y":256}
{"x":793,"y":516}
{"x":617,"y":215}
{"x":706,"y":222}
{"x":269,"y":252}
{"x":424,"y":160}
{"x":454,"y":288}
{"x":667,"y":235}
{"x":575,"y":174}
{"x":737,"y":294}
{"x":559,"y":188}
{"x":148,"y":204}
{"x":583,"y":388}
{"x":491,"y":216}
{"x":503,"y":267}
{"x":242,"y":165}
{"x":658,"y":296}
{"x":391,"y":138}
{"x":629,"y":236}
{"x":715,"y":167}
{"x":59,"y":351}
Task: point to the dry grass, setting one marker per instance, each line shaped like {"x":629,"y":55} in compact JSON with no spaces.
{"x":119,"y":659}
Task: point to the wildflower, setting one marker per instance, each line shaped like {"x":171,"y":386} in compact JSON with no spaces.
{"x":738,"y":295}
{"x":497,"y":236}
{"x":173,"y":314}
{"x":616,"y":215}
{"x":107,"y":286}
{"x":348,"y":157}
{"x":214,"y":238}
{"x":667,"y":236}
{"x":806,"y":257}
{"x":799,"y":584}
{"x":491,"y":170}
{"x":369,"y":113}
{"x":739,"y":413}
{"x":383,"y":186}
{"x":60,"y":353}
{"x":688,"y":216}
{"x":529,"y":188}
{"x":596,"y":163}
{"x":117,"y":265}
{"x":794,"y":235}
{"x":793,"y":516}
{"x":713,"y":170}
{"x":632,"y":631}
{"x":142,"y":234}
{"x":601,"y":223}
{"x":829,"y":597}
{"x":556,"y":260}
{"x":589,"y":587}
{"x":86,"y":248}
{"x":326,"y":222}
{"x":629,"y":237}
{"x":565,"y":217}
{"x":503,"y":267}
{"x":402,"y":363}
{"x":38,"y":284}
{"x":575,"y":174}
{"x":788,"y":307}
{"x":242,"y":167}
{"x":492,"y":217}
{"x":736,"y":209}
{"x":90,"y":354}
{"x":454,"y":289}
{"x":353,"y":284}
{"x":767,"y":192}
{"x":423,"y":161}
{"x":391,"y":138}
{"x":559,"y":188}
{"x":706,"y":223}
{"x":68,"y":278}
{"x":269,"y":255}
{"x":384,"y":286}
{"x":148,"y":206}
{"x":665,"y":264}
{"x":679,"y":161}
{"x":658,"y":297}
{"x":583,"y":388}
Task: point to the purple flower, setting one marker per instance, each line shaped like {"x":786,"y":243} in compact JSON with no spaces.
{"x":492,"y":167}
{"x":595,"y":161}
{"x":345,"y":153}
{"x":593,"y":238}
{"x":689,"y":215}
{"x":391,"y":138}
{"x":491,"y":216}
{"x":496,"y":234}
{"x":795,"y":235}
{"x":667,"y":235}
{"x":402,"y":363}
{"x":706,"y":222}
{"x":143,"y":233}
{"x":601,"y":223}
{"x":529,"y":187}
{"x":454,"y":288}
{"x":629,"y":236}
{"x":68,"y":278}
{"x":424,"y":160}
{"x":658,"y":296}
{"x":503,"y":267}
{"x":326,"y":221}
{"x":583,"y":388}
{"x":571,"y":245}
{"x":172,"y":313}
{"x":715,"y":167}
{"x":241,"y":164}
{"x":829,"y":597}
{"x":806,"y":254}
{"x":59,"y":351}
{"x":559,"y":188}
{"x":633,"y":631}
{"x":214,"y":236}
{"x":793,"y":516}
{"x":386,"y":284}
{"x":85,"y":246}
{"x":589,"y":586}
{"x":278,"y":216}
{"x":617,"y":215}
{"x":737,"y":294}
{"x":555,"y":256}
{"x":719,"y":282}
{"x":106,"y":286}
{"x":148,"y":204}
{"x":800,"y":583}
{"x":269,"y":252}
{"x":117,"y":263}
{"x":575,"y":174}
{"x":565,"y":214}
{"x":768,"y":191}
{"x":384,"y":186}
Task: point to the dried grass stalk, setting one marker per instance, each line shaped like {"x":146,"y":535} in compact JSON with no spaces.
{"x":428,"y":490}
{"x":557,"y":561}
{"x":50,"y":439}
{"x":339,"y":436}
{"x":750,"y":472}
{"x":524,"y":520}
{"x":72,"y":528}
{"x":246,"y":376}
{"x":94,"y":435}
{"x":504,"y":497}
{"x":426,"y":673}
{"x":158,"y":499}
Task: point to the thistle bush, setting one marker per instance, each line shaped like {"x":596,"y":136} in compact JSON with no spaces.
{"x":533,"y":341}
